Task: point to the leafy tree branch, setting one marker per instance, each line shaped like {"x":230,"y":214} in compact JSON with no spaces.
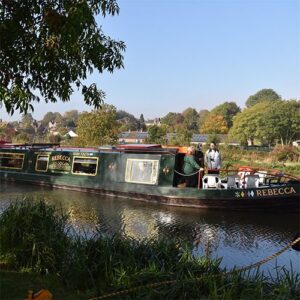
{"x":49,"y":47}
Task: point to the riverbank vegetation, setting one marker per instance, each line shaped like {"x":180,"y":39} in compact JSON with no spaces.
{"x":39,"y":249}
{"x":285,"y":159}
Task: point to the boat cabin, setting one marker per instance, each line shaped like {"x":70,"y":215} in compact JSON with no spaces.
{"x":143,"y":164}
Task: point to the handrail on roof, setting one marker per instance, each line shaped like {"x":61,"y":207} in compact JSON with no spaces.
{"x":125,"y":148}
{"x":29,"y":146}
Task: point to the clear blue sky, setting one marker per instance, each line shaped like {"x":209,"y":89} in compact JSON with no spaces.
{"x":197,"y":53}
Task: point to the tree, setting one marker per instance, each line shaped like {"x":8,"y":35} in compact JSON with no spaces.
{"x":191,"y":119}
{"x":141,"y":123}
{"x":51,"y":117}
{"x":262,"y":95}
{"x":27,"y":121}
{"x":157,"y":134}
{"x":203,"y":113}
{"x":27,"y":125}
{"x":70,"y":118}
{"x":48,"y":47}
{"x":127,"y":121}
{"x":283,"y":121}
{"x":214,"y":124}
{"x":182,"y":137}
{"x":54,"y":139}
{"x":213,"y":138}
{"x":8,"y":130}
{"x":252,"y":124}
{"x":98,"y":127}
{"x":142,"y":119}
{"x":228,"y":110}
{"x":172,"y":120}
{"x":268,"y":122}
{"x":62,"y":131}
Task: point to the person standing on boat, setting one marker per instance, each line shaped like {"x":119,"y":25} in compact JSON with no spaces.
{"x":190,"y":168}
{"x":199,"y":156}
{"x":213,"y":159}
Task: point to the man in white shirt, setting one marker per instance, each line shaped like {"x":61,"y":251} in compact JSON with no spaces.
{"x":213,"y":159}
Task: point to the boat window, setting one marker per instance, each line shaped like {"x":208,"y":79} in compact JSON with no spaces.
{"x":85,"y":166}
{"x":42,"y":162}
{"x":141,"y":171}
{"x":11,"y":161}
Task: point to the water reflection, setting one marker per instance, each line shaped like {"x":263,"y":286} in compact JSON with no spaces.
{"x":240,"y":238}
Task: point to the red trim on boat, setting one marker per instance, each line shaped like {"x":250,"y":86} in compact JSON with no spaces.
{"x":138,"y":146}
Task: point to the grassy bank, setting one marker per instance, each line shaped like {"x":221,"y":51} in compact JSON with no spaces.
{"x":285,"y":159}
{"x":38,"y":251}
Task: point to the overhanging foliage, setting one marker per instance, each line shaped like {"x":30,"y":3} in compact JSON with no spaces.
{"x":49,"y":47}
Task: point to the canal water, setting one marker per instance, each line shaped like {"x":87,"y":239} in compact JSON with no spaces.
{"x":239,"y":238}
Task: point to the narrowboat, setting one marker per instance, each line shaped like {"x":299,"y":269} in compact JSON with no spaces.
{"x":147,"y":173}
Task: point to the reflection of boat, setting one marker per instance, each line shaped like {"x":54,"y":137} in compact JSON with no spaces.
{"x":145,"y":172}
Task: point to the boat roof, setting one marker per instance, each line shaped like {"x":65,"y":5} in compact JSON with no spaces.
{"x":132,"y":148}
{"x":139,"y":146}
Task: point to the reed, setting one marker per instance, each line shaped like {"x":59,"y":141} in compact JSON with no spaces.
{"x":33,"y":236}
{"x":39,"y":239}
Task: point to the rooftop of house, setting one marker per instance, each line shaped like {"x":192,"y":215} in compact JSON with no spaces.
{"x":133,"y":135}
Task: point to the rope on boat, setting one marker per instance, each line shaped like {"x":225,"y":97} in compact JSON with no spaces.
{"x":185,"y":175}
{"x":167,"y":282}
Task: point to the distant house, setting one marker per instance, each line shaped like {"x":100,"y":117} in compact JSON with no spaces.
{"x":202,"y":138}
{"x":296,"y":143}
{"x":199,"y":138}
{"x":133,"y":137}
{"x":156,"y":121}
{"x":196,"y":138}
{"x":71,"y":134}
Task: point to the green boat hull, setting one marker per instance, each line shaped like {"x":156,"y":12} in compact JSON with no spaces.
{"x":266,"y":199}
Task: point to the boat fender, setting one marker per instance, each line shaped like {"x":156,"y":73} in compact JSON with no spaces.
{"x":244,"y":171}
{"x":40,"y":295}
{"x":241,"y":175}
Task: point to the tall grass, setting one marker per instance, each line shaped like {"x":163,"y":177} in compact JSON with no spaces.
{"x":37,"y":238}
{"x":33,"y":236}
